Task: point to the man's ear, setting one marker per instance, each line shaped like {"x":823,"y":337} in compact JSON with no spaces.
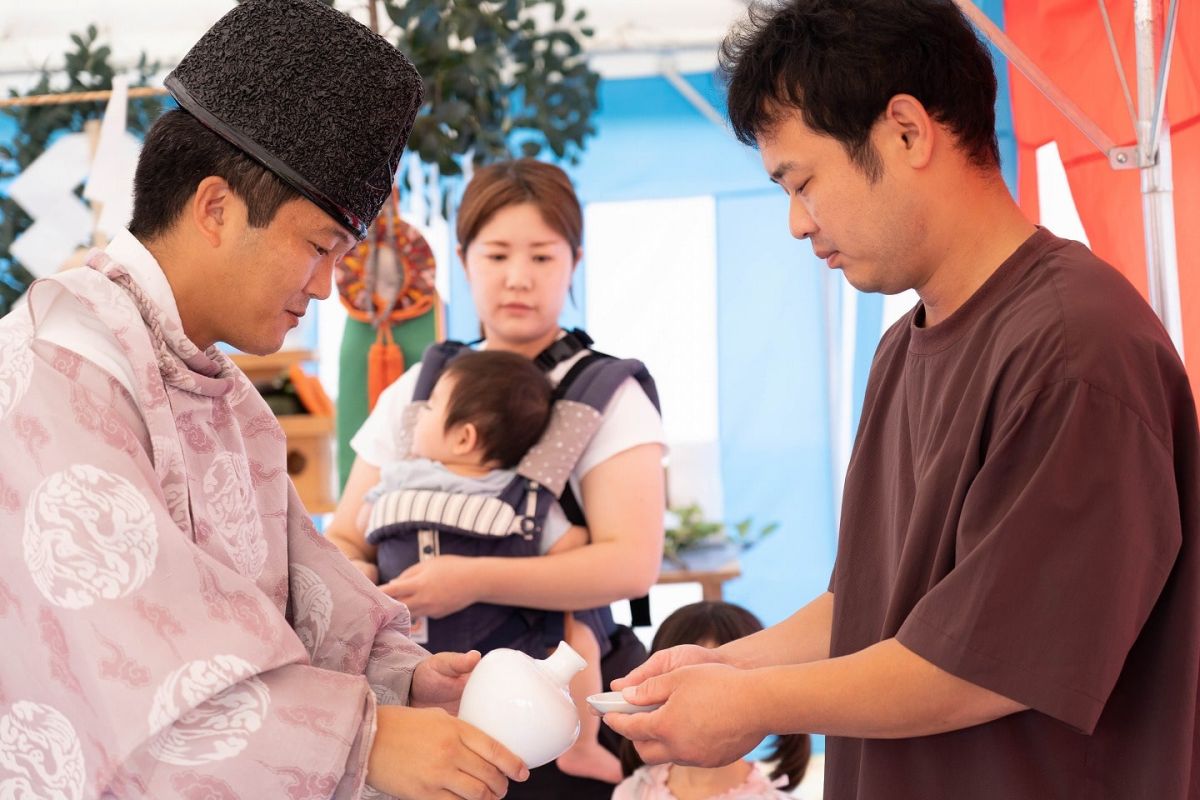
{"x":211,"y":208}
{"x":908,"y":126}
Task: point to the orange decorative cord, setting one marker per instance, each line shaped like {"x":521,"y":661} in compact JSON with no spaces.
{"x":385,"y":364}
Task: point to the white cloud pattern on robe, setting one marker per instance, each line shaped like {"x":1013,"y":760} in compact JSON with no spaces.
{"x":312,"y":607}
{"x":16,"y":365}
{"x":233,"y":513}
{"x":198,"y":721}
{"x":168,"y":466}
{"x":89,"y":535}
{"x":40,"y":755}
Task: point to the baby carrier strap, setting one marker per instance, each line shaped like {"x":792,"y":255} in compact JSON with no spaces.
{"x":586,"y":380}
{"x":439,"y":354}
{"x":433,"y":363}
{"x":583,"y":382}
{"x":577,"y":414}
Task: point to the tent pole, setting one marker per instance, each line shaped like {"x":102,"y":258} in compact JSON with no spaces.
{"x":833,"y":366}
{"x":841,"y":328}
{"x":1158,"y":210}
{"x":670,"y":72}
{"x":1118,"y":156}
{"x":1164,"y":72}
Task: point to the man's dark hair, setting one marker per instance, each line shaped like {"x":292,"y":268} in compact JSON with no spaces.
{"x":179,"y":152}
{"x":839,"y":62}
{"x":506,"y":397}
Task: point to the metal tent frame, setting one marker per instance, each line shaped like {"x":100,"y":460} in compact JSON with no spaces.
{"x":1151,"y":156}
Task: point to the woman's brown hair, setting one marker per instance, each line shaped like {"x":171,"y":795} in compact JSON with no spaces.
{"x":714,"y":624}
{"x":525,"y":180}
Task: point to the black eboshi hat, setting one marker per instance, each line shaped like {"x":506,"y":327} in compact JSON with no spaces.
{"x":312,"y":95}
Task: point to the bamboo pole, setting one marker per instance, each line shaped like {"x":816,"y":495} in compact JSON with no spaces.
{"x":64,"y":98}
{"x":373,"y":14}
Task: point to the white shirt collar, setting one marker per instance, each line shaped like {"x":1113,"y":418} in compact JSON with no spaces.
{"x":144,"y":269}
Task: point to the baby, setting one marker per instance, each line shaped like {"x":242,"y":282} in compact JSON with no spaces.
{"x":486,"y":411}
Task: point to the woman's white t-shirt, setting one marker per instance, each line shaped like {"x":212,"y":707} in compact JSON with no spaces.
{"x":630,"y":420}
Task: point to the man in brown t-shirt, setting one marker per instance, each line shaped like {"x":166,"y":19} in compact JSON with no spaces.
{"x":1015,"y":607}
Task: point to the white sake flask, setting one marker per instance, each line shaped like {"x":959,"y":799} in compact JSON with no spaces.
{"x":523,"y":703}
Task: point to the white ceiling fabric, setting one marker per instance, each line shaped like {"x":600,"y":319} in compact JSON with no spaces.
{"x":632,"y":36}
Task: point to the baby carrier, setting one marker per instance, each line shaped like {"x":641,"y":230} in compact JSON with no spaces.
{"x":412,"y":525}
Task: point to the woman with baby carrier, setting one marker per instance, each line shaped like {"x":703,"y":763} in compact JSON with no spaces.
{"x":520,"y":231}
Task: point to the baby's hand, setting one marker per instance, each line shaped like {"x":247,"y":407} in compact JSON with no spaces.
{"x":367,"y":568}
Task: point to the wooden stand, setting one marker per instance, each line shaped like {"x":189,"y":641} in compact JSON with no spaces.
{"x":260,"y":369}
{"x":310,"y":437}
{"x":710,"y":580}
{"x":310,"y":459}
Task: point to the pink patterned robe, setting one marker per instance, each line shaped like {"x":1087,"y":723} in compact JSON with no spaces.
{"x":172,"y":625}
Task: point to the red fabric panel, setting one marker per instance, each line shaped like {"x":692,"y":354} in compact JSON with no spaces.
{"x":1066,"y":39}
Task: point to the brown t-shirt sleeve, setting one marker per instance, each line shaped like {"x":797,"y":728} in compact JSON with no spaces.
{"x":1059,"y":557}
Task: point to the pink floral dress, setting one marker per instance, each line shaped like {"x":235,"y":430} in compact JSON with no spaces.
{"x":650,"y":783}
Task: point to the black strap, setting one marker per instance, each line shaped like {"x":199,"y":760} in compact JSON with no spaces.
{"x":571,"y":508}
{"x":562,"y":349}
{"x":639,"y":611}
{"x":575,"y":371}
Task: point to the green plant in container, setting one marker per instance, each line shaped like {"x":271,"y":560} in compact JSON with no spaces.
{"x":692,"y":542}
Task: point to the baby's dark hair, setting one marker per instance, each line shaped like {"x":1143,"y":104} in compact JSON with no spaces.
{"x":505,"y":396}
{"x":714,"y":623}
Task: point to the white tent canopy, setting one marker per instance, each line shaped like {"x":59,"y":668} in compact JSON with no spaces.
{"x":632,"y":36}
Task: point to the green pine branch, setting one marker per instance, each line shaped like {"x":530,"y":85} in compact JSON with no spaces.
{"x":499,"y":82}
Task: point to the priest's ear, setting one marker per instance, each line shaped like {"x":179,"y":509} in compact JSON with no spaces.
{"x":212,"y":208}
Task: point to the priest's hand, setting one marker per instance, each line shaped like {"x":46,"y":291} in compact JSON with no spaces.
{"x":706,"y":719}
{"x":439,"y":680}
{"x":665,"y":661}
{"x":421,"y":753}
{"x":435,"y":588}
